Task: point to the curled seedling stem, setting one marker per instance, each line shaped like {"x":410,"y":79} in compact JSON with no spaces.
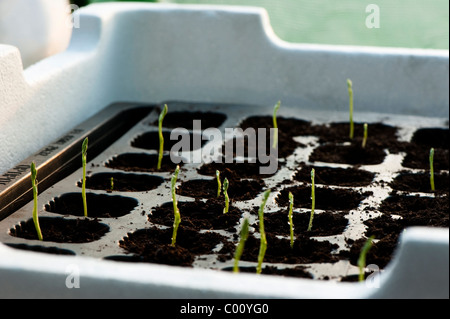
{"x":240,"y":247}
{"x":432,"y":169}
{"x":84,"y":148}
{"x":219,"y":184}
{"x":362,"y":257}
{"x":364,"y":141}
{"x":263,"y":240}
{"x":161,"y":138}
{"x":350,"y":97}
{"x":225,"y":193}
{"x":35,"y":201}
{"x":313,"y":200}
{"x":275,"y":125}
{"x":291,"y":223}
{"x":176,"y":211}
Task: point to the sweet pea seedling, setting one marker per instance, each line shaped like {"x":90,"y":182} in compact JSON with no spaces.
{"x":112,"y":183}
{"x":176,"y":211}
{"x":350,"y":97}
{"x":362,"y":257}
{"x":225,"y":193}
{"x":263,"y":240}
{"x":84,"y":148}
{"x":161,"y":138}
{"x":291,"y":223}
{"x":35,"y":201}
{"x":432,"y":169}
{"x":364,"y":141}
{"x":219,"y":184}
{"x":275,"y":125}
{"x":313,"y":200}
{"x":240,"y":247}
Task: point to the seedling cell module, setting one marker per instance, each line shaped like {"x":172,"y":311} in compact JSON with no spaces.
{"x":339,"y":205}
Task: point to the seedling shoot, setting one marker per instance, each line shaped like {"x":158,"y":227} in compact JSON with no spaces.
{"x":225,"y":193}
{"x":362,"y":257}
{"x":219,"y":184}
{"x":291,"y":223}
{"x":240,"y":247}
{"x":350,"y":97}
{"x":176,"y":211}
{"x":35,"y":201}
{"x":275,"y":125}
{"x":263,"y":240}
{"x":84,"y":148}
{"x":364,"y":141}
{"x":313,"y":200}
{"x":161,"y":138}
{"x":112,"y":184}
{"x":432,"y":169}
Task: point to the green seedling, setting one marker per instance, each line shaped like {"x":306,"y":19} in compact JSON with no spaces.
{"x":432,"y":169}
{"x":291,"y":223}
{"x":275,"y":125}
{"x":350,"y":97}
{"x":362,"y":257}
{"x":364,"y":141}
{"x":263,"y":240}
{"x":161,"y":138}
{"x":219,"y":184}
{"x":313,"y":200}
{"x":35,"y":201}
{"x":112,"y":183}
{"x":176,"y":211}
{"x":225,"y":193}
{"x":84,"y":148}
{"x":240,"y":247}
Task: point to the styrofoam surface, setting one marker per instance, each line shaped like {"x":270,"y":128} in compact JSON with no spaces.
{"x":150,"y":53}
{"x":413,"y":275}
{"x":46,"y":32}
{"x":154,"y":52}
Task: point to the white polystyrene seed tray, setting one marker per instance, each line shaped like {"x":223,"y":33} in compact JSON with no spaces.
{"x":108,"y":61}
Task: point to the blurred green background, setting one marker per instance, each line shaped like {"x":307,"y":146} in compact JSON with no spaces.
{"x":402,"y":23}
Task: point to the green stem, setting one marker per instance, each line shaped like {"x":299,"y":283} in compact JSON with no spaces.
{"x":240,"y":247}
{"x":313,"y":200}
{"x":176,"y":211}
{"x":219,"y":184}
{"x":362,"y":257}
{"x":291,"y":223}
{"x":263,"y":240}
{"x":83,"y":186}
{"x":112,"y":183}
{"x":161,"y":138}
{"x":432,"y":169}
{"x":350,"y":95}
{"x":275,"y":125}
{"x":225,"y":193}
{"x":364,"y":141}
{"x":35,"y":201}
